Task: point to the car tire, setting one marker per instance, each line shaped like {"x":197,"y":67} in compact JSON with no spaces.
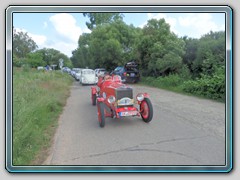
{"x":101,"y":115}
{"x":146,"y":110}
{"x":94,"y":98}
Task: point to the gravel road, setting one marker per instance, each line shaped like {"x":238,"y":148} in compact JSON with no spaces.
{"x":185,"y":130}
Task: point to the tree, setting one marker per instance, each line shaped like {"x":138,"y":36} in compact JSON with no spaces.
{"x":190,"y":52}
{"x":109,"y":45}
{"x":35,"y":59}
{"x":51,"y":56}
{"x":22,"y":44}
{"x":160,"y":50}
{"x":210,"y":54}
{"x":101,"y":18}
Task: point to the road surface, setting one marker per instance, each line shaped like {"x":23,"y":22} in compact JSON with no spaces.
{"x":185,"y":130}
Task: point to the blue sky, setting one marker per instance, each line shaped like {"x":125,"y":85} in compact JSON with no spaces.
{"x":62,"y":30}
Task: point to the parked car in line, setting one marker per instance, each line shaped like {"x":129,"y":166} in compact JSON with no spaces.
{"x":88,"y":77}
{"x":115,"y":99}
{"x":100,"y":71}
{"x":129,"y":72}
{"x":76,"y":73}
{"x":40,"y":68}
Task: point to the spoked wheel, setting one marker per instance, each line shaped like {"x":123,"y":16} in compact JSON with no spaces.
{"x":101,"y":115}
{"x":146,"y":110}
{"x":94,"y":98}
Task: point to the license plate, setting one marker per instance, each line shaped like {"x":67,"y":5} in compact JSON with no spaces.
{"x":128,"y":113}
{"x":132,"y":74}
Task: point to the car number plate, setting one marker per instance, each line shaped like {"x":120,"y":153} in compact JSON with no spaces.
{"x":132,"y":74}
{"x":128,"y":113}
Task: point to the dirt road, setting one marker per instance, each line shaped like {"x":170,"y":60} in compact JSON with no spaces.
{"x":184,"y":131}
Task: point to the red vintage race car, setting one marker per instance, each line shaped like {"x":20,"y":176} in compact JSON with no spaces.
{"x":115,"y":99}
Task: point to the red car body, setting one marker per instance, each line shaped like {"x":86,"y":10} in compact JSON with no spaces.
{"x":115,"y":99}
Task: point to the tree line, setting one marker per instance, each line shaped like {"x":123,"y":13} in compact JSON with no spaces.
{"x":26,"y":53}
{"x":160,"y":54}
{"x":196,"y":66}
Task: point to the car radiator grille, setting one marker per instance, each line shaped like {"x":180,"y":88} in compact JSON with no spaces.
{"x":124,"y":92}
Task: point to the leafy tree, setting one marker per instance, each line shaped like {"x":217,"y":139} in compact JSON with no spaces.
{"x":190,"y":52}
{"x":22,"y":44}
{"x":101,"y":18}
{"x":51,"y":56}
{"x":210,"y":54}
{"x":109,"y":45}
{"x":34,"y":60}
{"x":160,"y":50}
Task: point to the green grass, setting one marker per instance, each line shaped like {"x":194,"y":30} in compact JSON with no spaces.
{"x":38,"y":100}
{"x":177,"y":84}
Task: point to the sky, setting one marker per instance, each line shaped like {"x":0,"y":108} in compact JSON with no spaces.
{"x":61,"y":31}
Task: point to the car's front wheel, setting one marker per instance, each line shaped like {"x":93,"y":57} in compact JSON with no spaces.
{"x":146,"y":110}
{"x":101,"y":115}
{"x":94,"y":98}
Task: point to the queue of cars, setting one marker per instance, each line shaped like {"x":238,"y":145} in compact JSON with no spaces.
{"x":129,"y":73}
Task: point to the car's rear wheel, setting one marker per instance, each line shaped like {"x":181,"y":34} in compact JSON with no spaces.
{"x":94,"y":98}
{"x":146,"y":110}
{"x":101,"y":115}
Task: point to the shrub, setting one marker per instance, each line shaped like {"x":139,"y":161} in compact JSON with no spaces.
{"x":208,"y":86}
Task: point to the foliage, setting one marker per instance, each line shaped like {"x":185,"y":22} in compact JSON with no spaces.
{"x":34,"y":60}
{"x":208,"y":86}
{"x":210,"y":54}
{"x":109,"y":45}
{"x":22,"y":44}
{"x":38,"y":99}
{"x":160,"y":50}
{"x":51,"y":57}
{"x":172,"y":82}
{"x":101,"y":18}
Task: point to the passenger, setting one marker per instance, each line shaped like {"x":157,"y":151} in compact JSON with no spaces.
{"x":117,"y":78}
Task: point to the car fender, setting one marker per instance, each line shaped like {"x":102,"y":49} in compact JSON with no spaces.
{"x":100,"y":99}
{"x":94,"y":90}
{"x":146,"y":95}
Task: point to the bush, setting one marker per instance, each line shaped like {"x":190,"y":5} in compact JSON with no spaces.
{"x":168,"y":82}
{"x":208,"y":86}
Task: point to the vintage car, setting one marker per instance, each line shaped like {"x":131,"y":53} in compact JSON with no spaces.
{"x":87,"y":76}
{"x":115,"y":99}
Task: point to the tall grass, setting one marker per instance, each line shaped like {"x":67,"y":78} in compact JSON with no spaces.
{"x":38,"y":99}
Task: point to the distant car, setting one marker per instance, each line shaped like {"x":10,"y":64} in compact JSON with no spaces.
{"x":129,"y":72}
{"x":100,"y":71}
{"x":88,"y":77}
{"x":76,"y":74}
{"x":40,"y":68}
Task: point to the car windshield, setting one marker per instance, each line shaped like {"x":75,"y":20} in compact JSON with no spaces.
{"x":88,"y":72}
{"x":118,"y":68}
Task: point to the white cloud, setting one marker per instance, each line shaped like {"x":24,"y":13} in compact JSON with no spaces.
{"x":66,"y":26}
{"x":63,"y":47}
{"x":198,"y":24}
{"x":45,"y":25}
{"x":188,"y":24}
{"x":39,"y":39}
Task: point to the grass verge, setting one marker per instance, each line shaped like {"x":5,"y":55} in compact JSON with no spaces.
{"x":177,"y":84}
{"x":38,"y":100}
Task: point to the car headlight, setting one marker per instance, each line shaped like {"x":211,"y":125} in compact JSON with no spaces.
{"x":140,"y":97}
{"x":111,"y":99}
